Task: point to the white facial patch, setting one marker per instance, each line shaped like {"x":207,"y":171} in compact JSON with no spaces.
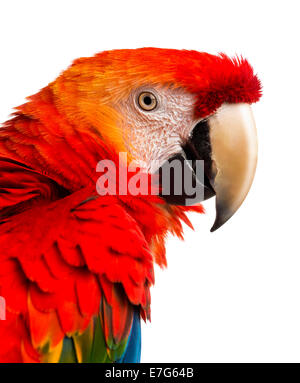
{"x":154,"y":136}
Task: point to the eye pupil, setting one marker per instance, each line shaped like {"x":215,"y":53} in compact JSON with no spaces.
{"x":147,"y":100}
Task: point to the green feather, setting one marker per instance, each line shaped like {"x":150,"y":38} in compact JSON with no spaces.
{"x":68,"y":354}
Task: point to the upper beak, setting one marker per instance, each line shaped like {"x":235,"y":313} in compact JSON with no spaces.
{"x":233,"y":141}
{"x":227,"y":143}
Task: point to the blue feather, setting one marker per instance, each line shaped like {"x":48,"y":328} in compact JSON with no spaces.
{"x":132,"y":352}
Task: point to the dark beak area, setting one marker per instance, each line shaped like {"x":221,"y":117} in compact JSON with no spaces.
{"x":182,"y":166}
{"x":219,"y":159}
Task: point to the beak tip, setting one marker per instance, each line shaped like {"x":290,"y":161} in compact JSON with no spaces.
{"x":222,"y":217}
{"x":215,"y":226}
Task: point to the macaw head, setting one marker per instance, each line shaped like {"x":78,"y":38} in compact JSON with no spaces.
{"x":161,"y":104}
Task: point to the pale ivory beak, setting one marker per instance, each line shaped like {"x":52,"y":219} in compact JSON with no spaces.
{"x":234,"y":157}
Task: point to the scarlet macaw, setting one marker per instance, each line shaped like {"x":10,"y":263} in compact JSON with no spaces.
{"x":75,"y":266}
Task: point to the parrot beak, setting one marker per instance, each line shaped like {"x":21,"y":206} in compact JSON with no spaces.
{"x":227,"y":143}
{"x":233,"y":141}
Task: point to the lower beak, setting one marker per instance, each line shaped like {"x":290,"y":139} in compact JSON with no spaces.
{"x":227,"y":143}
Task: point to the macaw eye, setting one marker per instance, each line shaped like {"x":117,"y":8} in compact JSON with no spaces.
{"x":147,"y":101}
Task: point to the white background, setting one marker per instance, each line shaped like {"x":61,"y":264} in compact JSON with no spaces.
{"x":230,"y":296}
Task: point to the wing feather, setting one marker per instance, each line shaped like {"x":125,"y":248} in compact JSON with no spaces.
{"x":66,"y":279}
